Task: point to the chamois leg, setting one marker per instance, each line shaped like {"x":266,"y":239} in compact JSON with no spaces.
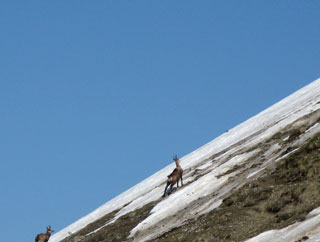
{"x":165,"y":190}
{"x":181,"y":181}
{"x":171,"y":187}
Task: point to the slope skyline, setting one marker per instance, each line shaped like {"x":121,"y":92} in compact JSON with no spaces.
{"x":90,"y":92}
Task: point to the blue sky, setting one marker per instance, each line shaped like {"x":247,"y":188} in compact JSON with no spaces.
{"x":96,"y":96}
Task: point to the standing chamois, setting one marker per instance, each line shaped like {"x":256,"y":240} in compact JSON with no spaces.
{"x":174,"y":177}
{"x":44,"y":237}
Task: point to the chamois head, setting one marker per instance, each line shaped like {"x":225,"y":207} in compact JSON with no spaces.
{"x":49,"y":230}
{"x":175,"y":158}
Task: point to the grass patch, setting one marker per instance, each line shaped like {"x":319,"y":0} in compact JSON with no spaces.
{"x":115,"y":232}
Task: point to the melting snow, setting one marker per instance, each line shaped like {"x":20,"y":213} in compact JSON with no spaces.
{"x":286,"y":155}
{"x":255,"y":172}
{"x":312,"y":127}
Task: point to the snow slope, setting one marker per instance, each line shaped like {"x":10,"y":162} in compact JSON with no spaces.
{"x":208,"y":171}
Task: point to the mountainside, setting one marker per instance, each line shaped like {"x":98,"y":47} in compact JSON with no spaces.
{"x":259,"y":180}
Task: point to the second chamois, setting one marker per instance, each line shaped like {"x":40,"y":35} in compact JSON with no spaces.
{"x":44,"y":237}
{"x":175,"y":176}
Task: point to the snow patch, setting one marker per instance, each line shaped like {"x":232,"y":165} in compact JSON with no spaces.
{"x":255,"y":172}
{"x":286,"y":155}
{"x":312,"y":128}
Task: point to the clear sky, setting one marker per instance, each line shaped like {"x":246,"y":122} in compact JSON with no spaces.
{"x":95,"y":96}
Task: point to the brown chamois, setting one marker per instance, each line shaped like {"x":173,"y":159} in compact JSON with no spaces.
{"x":175,"y":176}
{"x":44,"y":237}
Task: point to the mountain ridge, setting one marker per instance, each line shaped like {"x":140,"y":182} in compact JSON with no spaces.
{"x":212,"y":172}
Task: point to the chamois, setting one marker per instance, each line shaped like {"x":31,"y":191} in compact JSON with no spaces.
{"x":44,"y":237}
{"x":174,"y":177}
